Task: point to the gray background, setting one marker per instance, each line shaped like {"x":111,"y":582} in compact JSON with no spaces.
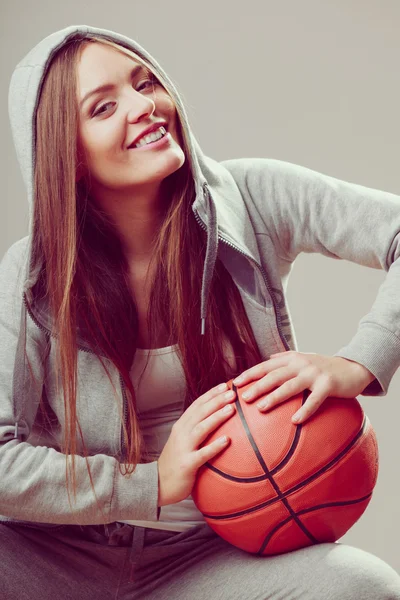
{"x":313,"y":83}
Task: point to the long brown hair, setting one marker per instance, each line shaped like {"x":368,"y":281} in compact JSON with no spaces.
{"x":84,"y":276}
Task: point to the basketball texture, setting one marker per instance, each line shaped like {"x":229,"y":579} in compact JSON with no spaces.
{"x":279,"y":486}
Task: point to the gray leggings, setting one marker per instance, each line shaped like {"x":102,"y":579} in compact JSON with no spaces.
{"x":71,"y":562}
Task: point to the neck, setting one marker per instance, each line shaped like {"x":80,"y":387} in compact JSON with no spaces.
{"x":137,"y":217}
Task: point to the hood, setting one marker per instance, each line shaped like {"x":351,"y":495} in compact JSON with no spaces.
{"x":213,"y":182}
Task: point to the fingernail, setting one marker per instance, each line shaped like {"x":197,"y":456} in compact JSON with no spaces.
{"x":296,"y":418}
{"x":222,"y":387}
{"x":238,"y":380}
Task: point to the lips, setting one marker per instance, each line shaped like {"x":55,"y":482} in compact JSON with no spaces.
{"x":149,"y":129}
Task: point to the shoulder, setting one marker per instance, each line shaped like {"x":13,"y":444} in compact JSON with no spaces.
{"x":12,"y":264}
{"x":17,"y":252}
{"x":265,"y":172}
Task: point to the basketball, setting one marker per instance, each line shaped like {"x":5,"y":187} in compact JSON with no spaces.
{"x":279,"y":486}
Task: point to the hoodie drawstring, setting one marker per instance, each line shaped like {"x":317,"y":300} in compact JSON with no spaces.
{"x":211,"y":254}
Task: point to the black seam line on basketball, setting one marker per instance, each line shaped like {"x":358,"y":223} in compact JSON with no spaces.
{"x":298,"y":513}
{"x":270,"y":534}
{"x":266,"y":470}
{"x":291,"y":490}
{"x":301,"y":483}
{"x":302,"y":512}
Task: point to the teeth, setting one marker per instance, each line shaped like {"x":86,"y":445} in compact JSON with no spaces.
{"x":151,"y":137}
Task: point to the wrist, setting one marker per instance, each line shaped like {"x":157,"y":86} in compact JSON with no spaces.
{"x":365,"y":373}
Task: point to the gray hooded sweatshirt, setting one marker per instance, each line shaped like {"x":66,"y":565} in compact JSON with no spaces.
{"x":259,"y":215}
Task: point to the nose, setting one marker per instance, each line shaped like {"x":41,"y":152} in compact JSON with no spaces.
{"x":140,"y":107}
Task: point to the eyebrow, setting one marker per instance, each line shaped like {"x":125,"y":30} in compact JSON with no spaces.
{"x":109,"y":86}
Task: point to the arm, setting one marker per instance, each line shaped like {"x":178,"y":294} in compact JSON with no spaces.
{"x":33,"y":484}
{"x":305,"y":211}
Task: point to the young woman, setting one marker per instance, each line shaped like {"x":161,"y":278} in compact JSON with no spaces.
{"x":151,"y":274}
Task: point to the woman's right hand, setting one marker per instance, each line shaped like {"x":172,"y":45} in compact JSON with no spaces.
{"x":181,"y":456}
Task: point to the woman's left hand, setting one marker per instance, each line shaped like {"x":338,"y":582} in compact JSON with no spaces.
{"x":289,"y":373}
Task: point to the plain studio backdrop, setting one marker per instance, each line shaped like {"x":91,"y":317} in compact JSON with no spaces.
{"x":312,"y":83}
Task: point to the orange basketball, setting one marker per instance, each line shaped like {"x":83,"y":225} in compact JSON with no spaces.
{"x":279,"y":486}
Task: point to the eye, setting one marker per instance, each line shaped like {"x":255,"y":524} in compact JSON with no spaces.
{"x":100,"y":109}
{"x":151,"y":80}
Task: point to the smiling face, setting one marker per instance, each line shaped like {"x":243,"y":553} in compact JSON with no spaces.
{"x":110,"y":120}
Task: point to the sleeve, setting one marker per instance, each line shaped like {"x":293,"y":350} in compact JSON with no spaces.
{"x":33,"y":482}
{"x":306,"y":211}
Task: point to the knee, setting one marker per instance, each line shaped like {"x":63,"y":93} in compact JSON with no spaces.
{"x":360,"y":574}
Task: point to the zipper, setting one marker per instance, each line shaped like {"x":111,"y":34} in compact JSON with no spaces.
{"x":48,"y":332}
{"x":125,"y":410}
{"x":259,"y":267}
